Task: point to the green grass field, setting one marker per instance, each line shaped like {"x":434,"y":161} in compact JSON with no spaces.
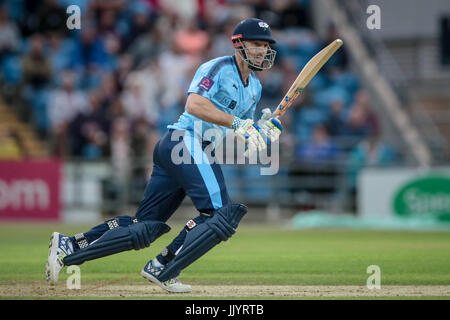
{"x":254,"y":256}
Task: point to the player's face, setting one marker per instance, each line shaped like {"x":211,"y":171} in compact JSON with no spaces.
{"x":256,"y":53}
{"x":256,"y":50}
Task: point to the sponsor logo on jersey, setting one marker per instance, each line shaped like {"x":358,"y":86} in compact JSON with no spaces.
{"x":206,"y":83}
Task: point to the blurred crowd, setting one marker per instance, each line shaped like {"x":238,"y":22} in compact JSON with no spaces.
{"x":110,"y":88}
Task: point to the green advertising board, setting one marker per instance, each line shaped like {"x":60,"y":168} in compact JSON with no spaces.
{"x":425,"y":196}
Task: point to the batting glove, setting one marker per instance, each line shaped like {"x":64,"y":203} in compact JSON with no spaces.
{"x":249,"y":132}
{"x":271,"y":126}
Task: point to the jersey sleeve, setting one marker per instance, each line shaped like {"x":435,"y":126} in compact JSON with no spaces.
{"x":205,"y":82}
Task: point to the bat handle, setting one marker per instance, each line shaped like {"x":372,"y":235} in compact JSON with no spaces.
{"x":277,"y":113}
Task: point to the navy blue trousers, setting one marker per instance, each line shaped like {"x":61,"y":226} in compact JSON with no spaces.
{"x":180,"y":167}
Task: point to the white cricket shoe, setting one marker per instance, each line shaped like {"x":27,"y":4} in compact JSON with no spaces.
{"x":60,"y":246}
{"x":151,"y":272}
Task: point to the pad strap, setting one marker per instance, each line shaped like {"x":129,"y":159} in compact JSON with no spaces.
{"x":81,"y":240}
{"x":112,"y":223}
{"x":135,"y":236}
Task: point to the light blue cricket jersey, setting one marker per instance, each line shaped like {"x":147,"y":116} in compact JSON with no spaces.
{"x":220,"y":81}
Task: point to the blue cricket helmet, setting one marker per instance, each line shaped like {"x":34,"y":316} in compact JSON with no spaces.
{"x":252,"y":29}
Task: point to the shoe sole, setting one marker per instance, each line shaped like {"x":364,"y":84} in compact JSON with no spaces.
{"x":50,"y":268}
{"x":151,"y":278}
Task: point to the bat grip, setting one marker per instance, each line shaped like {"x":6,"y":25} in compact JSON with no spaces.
{"x":277,"y":113}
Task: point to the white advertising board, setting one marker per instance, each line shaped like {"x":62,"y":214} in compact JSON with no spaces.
{"x":404,"y":192}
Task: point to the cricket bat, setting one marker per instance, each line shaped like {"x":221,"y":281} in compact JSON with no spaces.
{"x":308,"y":72}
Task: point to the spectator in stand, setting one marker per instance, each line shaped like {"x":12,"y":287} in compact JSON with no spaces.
{"x":220,"y":43}
{"x":191,"y":40}
{"x":65,"y":103}
{"x":106,"y":22}
{"x":139,"y":24}
{"x":319,"y":148}
{"x":292,"y":13}
{"x":107,"y":93}
{"x":124,"y":67}
{"x":89,"y":54}
{"x":177,"y":66}
{"x":112,"y":46}
{"x":9,"y":35}
{"x":180,"y":10}
{"x":116,"y":109}
{"x":86,"y":133}
{"x":60,"y":53}
{"x":139,"y":96}
{"x":37,"y":70}
{"x":146,"y":47}
{"x":10,"y":45}
{"x":264,"y":10}
{"x":37,"y":74}
{"x":335,"y":122}
{"x":371,"y":152}
{"x":361,"y":122}
{"x":96,"y":141}
{"x":362,"y":99}
{"x":355,"y":128}
{"x":52,"y":17}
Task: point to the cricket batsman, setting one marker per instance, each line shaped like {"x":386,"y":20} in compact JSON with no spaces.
{"x":223,"y":96}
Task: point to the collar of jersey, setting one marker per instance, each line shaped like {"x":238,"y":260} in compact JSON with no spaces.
{"x":239,"y":72}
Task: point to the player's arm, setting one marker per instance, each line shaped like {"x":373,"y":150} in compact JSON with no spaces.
{"x":245,"y":129}
{"x":205,"y":110}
